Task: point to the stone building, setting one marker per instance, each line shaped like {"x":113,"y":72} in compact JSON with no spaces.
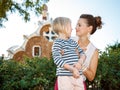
{"x":38,"y":44}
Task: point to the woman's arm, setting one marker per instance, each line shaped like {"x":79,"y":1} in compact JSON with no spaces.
{"x":91,"y":70}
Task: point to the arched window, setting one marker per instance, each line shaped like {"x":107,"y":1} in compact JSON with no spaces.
{"x":36,"y":52}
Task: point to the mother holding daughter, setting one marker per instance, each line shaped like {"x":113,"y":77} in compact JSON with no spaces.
{"x":86,"y":26}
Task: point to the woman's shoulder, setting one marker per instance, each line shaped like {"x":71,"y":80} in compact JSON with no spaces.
{"x":91,"y":47}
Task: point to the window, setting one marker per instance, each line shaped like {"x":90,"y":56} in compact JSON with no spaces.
{"x":50,"y":35}
{"x":36,"y":51}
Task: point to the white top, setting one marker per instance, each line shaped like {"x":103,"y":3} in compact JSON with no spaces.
{"x":89,"y":53}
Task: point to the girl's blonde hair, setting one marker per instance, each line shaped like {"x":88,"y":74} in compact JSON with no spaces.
{"x":60,"y":25}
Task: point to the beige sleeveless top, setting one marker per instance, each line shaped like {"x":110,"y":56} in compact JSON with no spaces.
{"x":89,"y":53}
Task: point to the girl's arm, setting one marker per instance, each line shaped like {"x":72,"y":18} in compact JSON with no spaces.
{"x":56,"y":53}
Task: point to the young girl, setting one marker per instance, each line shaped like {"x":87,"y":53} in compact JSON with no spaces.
{"x":65,"y":54}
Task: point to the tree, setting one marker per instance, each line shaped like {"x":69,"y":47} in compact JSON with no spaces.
{"x":108,"y":72}
{"x":30,"y":74}
{"x":23,"y":7}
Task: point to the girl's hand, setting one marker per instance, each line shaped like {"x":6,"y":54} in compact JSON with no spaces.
{"x":78,"y":66}
{"x":76,"y":73}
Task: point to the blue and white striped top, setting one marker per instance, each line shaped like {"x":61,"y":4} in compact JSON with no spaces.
{"x":70,"y":55}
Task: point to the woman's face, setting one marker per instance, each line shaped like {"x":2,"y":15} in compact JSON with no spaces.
{"x":82,"y":29}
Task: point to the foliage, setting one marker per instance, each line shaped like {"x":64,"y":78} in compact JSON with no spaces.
{"x":23,"y":7}
{"x":108,"y":73}
{"x":31,"y":74}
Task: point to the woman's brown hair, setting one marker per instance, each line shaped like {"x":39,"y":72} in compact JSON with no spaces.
{"x":93,"y":21}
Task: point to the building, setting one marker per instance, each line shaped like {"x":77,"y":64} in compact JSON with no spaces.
{"x":38,"y":44}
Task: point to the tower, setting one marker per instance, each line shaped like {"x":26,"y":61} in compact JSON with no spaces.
{"x":45,"y":12}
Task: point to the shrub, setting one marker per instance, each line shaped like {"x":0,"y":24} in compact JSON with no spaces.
{"x":108,"y":72}
{"x":30,"y":74}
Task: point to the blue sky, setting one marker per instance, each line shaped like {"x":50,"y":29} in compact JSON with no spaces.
{"x":107,"y":9}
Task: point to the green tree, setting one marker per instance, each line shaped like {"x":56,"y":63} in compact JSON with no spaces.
{"x":29,"y":74}
{"x":23,"y":7}
{"x":108,"y":72}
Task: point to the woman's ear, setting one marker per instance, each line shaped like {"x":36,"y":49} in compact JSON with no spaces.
{"x":90,"y":29}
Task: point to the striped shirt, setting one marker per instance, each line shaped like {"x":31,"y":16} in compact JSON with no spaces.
{"x":70,"y":55}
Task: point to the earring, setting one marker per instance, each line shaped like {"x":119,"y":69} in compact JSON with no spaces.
{"x":88,"y":35}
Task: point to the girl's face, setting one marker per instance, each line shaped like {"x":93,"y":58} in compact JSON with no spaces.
{"x":82,"y":29}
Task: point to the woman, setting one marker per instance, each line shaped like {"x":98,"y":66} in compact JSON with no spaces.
{"x":86,"y":26}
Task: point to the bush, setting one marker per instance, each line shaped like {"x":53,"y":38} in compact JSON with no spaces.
{"x":30,"y":74}
{"x":36,"y":73}
{"x":108,"y":72}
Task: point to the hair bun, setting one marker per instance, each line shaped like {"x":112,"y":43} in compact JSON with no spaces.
{"x":98,"y":22}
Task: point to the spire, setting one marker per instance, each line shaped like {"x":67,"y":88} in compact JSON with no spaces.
{"x":45,"y":12}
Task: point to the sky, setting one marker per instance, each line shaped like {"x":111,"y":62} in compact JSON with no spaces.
{"x":12,"y":35}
